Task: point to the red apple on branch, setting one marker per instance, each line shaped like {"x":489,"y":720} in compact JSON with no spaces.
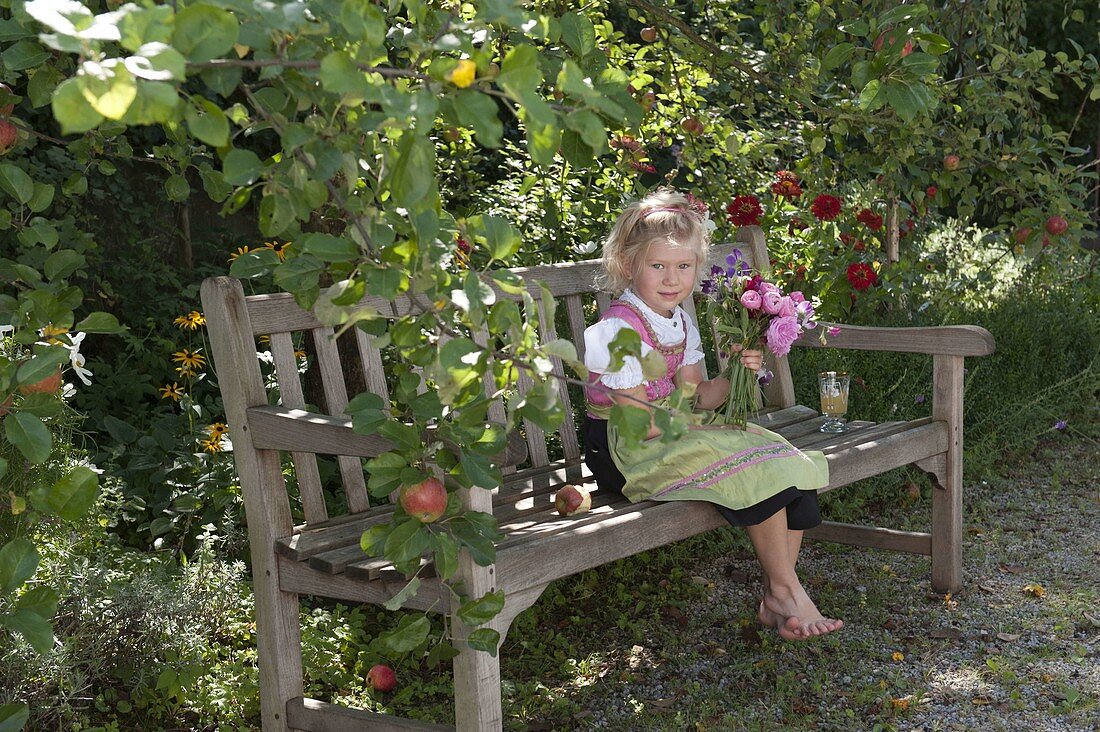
{"x":6,"y":109}
{"x":951,"y":162}
{"x":382,"y":678}
{"x":9,"y":135}
{"x":426,"y":501}
{"x":649,"y":34}
{"x":571,"y":500}
{"x":1057,"y":225}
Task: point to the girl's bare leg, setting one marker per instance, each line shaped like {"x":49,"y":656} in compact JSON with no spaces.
{"x":786,"y":605}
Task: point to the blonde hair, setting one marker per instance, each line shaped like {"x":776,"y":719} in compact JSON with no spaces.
{"x":663,"y":215}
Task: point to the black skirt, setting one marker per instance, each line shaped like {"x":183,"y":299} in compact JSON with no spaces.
{"x":801,"y":506}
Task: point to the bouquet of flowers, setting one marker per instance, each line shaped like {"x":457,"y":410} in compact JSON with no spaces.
{"x":748,"y":310}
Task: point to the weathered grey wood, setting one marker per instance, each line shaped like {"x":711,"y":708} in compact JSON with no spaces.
{"x":536,"y":437}
{"x":603,"y":301}
{"x":281,"y":428}
{"x":290,"y":393}
{"x":776,"y":419}
{"x":568,"y":430}
{"x":299,"y":578}
{"x":912,"y":542}
{"x":373,"y":370}
{"x":574,"y":309}
{"x":336,"y":396}
{"x":947,"y":503}
{"x":874,"y":458}
{"x":312,"y":715}
{"x":311,"y":541}
{"x":946,"y":340}
{"x":476,"y":673}
{"x":936,"y":466}
{"x":267,"y":506}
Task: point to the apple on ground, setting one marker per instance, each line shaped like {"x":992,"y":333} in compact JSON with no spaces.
{"x":951,"y":162}
{"x":1057,"y":225}
{"x":382,"y":678}
{"x":425,"y":501}
{"x":571,"y":500}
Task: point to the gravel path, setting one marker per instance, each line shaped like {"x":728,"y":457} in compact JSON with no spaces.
{"x":1016,"y":649}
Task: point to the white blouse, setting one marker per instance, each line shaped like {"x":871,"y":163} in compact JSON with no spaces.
{"x":669,"y":331}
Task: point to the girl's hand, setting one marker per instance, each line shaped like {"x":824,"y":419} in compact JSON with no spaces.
{"x":751,"y":359}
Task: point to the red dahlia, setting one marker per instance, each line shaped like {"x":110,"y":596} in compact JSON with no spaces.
{"x":787,"y":187}
{"x":870,"y":219}
{"x":745,"y":211}
{"x":861,"y":276}
{"x":825,"y":207}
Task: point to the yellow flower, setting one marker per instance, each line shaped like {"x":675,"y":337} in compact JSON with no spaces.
{"x":171,"y":391}
{"x":213,"y":445}
{"x":216,"y":430}
{"x":299,"y":353}
{"x":191,"y":321}
{"x":239,"y":252}
{"x":190,"y":360}
{"x":51,"y":332}
{"x":185,"y":372}
{"x":463,"y":74}
{"x":279,"y":248}
{"x":900,"y":704}
{"x":898,"y":656}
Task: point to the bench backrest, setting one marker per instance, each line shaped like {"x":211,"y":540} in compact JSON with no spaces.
{"x":238,"y":323}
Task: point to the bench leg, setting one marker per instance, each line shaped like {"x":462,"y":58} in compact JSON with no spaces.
{"x":947,"y":504}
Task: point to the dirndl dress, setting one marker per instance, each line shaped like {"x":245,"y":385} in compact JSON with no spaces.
{"x":752,"y":472}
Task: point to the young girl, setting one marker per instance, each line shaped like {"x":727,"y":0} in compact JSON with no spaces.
{"x":756,"y":479}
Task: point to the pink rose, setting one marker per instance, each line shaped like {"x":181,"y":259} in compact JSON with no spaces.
{"x":787,"y":307}
{"x":782,"y":333}
{"x":766,"y":287}
{"x":751,"y":299}
{"x":797,"y":296}
{"x":770,"y":303}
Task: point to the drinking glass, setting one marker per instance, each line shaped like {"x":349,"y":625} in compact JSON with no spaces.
{"x":834,"y":399}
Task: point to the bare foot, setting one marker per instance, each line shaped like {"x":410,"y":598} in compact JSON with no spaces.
{"x":794,"y":615}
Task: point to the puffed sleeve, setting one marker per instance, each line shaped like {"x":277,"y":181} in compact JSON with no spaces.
{"x":693,"y":349}
{"x":597,"y":355}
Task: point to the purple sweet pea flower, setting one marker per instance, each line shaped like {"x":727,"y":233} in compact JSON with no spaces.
{"x":1060,"y":425}
{"x":715,"y":270}
{"x":708,"y":287}
{"x":764,"y":377}
{"x":919,"y":399}
{"x":833,"y":330}
{"x":782,"y":333}
{"x":809,"y":324}
{"x":734,"y":257}
{"x":751,"y":299}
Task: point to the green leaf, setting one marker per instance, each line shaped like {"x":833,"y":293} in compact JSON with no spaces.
{"x":932,"y":43}
{"x":590,"y":128}
{"x":520,"y":72}
{"x":495,"y":234}
{"x":361,"y":19}
{"x":445,"y":555}
{"x":481,"y":610}
{"x":626,"y":342}
{"x":441,"y":653}
{"x":99,"y":322}
{"x":509,"y":282}
{"x":13,"y":717}
{"x":484,"y":639}
{"x":631,"y":422}
{"x":142,"y":26}
{"x":413,"y":174}
{"x":18,"y":560}
{"x":24,"y":55}
{"x":837,"y":56}
{"x":42,"y":198}
{"x":480,"y":112}
{"x":329,"y":248}
{"x":35,"y":629}
{"x":207,"y":121}
{"x":120,"y":430}
{"x":542,"y":405}
{"x":410,"y":633}
{"x":340,"y":75}
{"x":242,"y":167}
{"x":385,"y":473}
{"x":254,"y":264}
{"x":470,"y":537}
{"x":39,"y":600}
{"x":407,"y":592}
{"x":72,"y":110}
{"x":575,"y":150}
{"x":578,"y":33}
{"x":873,"y":96}
{"x":16,"y":182}
{"x":202,"y":32}
{"x":70,"y":497}
{"x":29,"y":435}
{"x":902,"y":100}
{"x":43,"y":364}
{"x":108,"y":87}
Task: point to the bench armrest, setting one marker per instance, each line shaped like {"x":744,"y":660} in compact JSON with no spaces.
{"x":942,"y":340}
{"x":296,"y":430}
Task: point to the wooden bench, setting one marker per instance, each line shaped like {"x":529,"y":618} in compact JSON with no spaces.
{"x":321,"y":555}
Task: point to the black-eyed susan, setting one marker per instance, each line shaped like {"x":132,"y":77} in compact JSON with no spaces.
{"x":191,"y":321}
{"x":213,"y":445}
{"x":188,"y":359}
{"x":50,"y":333}
{"x":280,"y":248}
{"x":238,"y":252}
{"x":171,"y":391}
{"x":216,"y":430}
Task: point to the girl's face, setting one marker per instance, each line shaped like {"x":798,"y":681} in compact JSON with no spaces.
{"x":665,"y":276}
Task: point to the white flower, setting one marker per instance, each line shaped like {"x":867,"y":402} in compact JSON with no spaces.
{"x":5,"y":329}
{"x":587,"y":248}
{"x":77,"y":361}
